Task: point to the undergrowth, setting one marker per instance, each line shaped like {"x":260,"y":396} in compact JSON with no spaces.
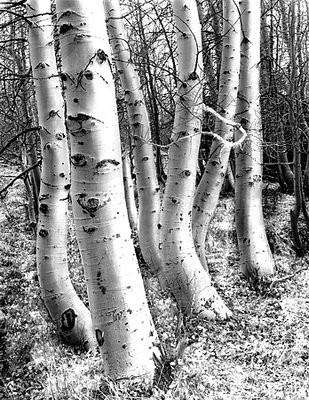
{"x":261,"y":352}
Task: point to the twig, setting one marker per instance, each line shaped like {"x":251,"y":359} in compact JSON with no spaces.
{"x":227,"y":143}
{"x":8,"y":144}
{"x":287,"y":277}
{"x":4,"y":189}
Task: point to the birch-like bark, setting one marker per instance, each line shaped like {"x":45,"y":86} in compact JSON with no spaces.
{"x":255,"y":256}
{"x":129,"y":191}
{"x":208,"y":191}
{"x":185,"y":275}
{"x":118,"y":305}
{"x":147,"y":184}
{"x":67,"y":311}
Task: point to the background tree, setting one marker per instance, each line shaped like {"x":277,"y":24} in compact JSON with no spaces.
{"x":273,"y":103}
{"x":296,"y":120}
{"x":147,"y":184}
{"x":152,"y":47}
{"x":284,"y":106}
{"x":19,"y":139}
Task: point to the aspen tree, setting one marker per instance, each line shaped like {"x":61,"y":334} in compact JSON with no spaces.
{"x":119,"y":310}
{"x":147,"y":183}
{"x":208,"y":190}
{"x":67,"y":311}
{"x":255,"y":256}
{"x":188,"y":280}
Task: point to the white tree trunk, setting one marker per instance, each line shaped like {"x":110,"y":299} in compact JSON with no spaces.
{"x":208,"y":191}
{"x":188,"y":280}
{"x":67,"y":311}
{"x":119,"y":310}
{"x":255,"y":255}
{"x":147,"y":183}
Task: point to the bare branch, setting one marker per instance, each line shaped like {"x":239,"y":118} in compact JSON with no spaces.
{"x":16,"y":137}
{"x":19,"y":176}
{"x":236,"y":125}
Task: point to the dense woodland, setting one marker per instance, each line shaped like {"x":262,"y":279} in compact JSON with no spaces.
{"x":154,"y":191}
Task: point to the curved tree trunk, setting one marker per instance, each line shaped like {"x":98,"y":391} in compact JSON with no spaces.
{"x":67,"y":311}
{"x":188,"y":280}
{"x":255,"y":256}
{"x":118,"y":305}
{"x":147,"y":184}
{"x":208,"y":190}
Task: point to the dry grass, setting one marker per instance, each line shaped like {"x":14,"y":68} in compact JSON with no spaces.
{"x":260,"y":353}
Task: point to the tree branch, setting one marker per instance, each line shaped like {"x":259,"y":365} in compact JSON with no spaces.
{"x":275,"y":281}
{"x":19,"y":176}
{"x":16,"y":137}
{"x":236,"y":125}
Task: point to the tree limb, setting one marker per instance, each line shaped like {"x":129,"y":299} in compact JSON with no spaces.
{"x":17,"y":136}
{"x":19,"y":176}
{"x":287,"y":277}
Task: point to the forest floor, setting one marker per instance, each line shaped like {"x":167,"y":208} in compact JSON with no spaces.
{"x":262,"y":352}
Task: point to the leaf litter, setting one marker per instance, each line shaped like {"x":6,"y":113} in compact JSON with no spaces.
{"x":262,"y":352}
